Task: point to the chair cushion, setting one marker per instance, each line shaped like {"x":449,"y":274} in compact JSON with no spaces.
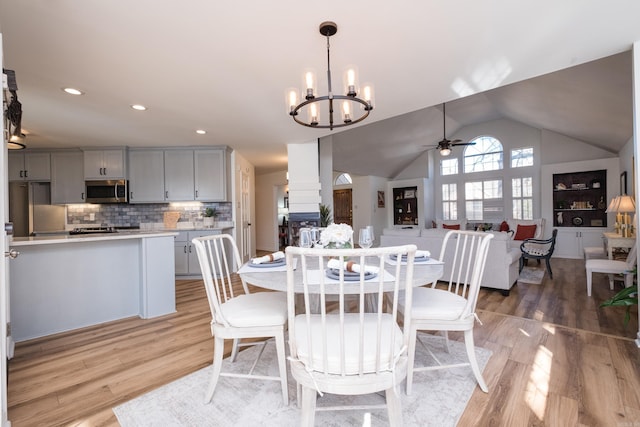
{"x":390,"y":330}
{"x":258,"y":309}
{"x":437,"y":304}
{"x":525,"y":232}
{"x":539,"y":231}
{"x":606,"y":266}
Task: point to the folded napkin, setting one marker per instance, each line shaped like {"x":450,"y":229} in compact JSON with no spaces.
{"x":268,"y":258}
{"x":351,"y":266}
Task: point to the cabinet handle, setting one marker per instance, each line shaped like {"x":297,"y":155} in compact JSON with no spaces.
{"x":105,"y":170}
{"x":196,"y":194}
{"x":166,"y":194}
{"x":21,"y":174}
{"x":131,"y":195}
{"x":82,"y":196}
{"x":189,"y":248}
{"x":185,"y":249}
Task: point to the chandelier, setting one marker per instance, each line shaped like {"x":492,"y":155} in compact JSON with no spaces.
{"x":313,"y":103}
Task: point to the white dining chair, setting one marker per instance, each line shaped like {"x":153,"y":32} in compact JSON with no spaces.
{"x":453,"y":308}
{"x":612,"y":267}
{"x":354,"y":348}
{"x":241,"y":315}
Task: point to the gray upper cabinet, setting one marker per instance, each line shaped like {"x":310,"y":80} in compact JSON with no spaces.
{"x":210,"y":175}
{"x":146,"y":176}
{"x":178,"y":175}
{"x":67,"y":177}
{"x":26,"y":166}
{"x":104,"y":164}
{"x":172,"y":175}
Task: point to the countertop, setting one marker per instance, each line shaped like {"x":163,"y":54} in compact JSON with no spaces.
{"x":79,"y":238}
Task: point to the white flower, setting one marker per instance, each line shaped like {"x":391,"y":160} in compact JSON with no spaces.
{"x":338,"y":234}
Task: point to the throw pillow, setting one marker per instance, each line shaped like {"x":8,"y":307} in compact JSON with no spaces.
{"x":525,"y":232}
{"x":504,"y":226}
{"x":451,"y":227}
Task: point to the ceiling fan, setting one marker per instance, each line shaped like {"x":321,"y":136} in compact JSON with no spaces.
{"x":445,"y":144}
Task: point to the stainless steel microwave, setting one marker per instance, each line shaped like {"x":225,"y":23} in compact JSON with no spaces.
{"x":111,"y":191}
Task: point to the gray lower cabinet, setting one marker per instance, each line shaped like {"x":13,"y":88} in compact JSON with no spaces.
{"x":186,"y":258}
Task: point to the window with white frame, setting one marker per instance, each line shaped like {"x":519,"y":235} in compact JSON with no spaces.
{"x":450,"y":201}
{"x":522,"y":197}
{"x":521,"y":157}
{"x":485,"y":155}
{"x":483,"y":200}
{"x":449,"y":166}
{"x":343,"y":179}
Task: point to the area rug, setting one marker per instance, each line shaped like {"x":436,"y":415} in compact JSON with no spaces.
{"x":438,"y":398}
{"x":531,"y":275}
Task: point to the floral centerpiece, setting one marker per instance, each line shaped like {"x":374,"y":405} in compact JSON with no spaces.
{"x":337,"y":236}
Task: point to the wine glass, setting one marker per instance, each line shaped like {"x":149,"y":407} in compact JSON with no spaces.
{"x":365,"y":238}
{"x":304,"y":239}
{"x":315,"y":236}
{"x":373,"y":237}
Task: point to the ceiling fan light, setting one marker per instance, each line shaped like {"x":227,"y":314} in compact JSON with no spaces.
{"x":445,"y":151}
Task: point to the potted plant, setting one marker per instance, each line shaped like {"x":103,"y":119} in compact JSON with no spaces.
{"x":209,"y":216}
{"x":628,"y":297}
{"x":325,"y":216}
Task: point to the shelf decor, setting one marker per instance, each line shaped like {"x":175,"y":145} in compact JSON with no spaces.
{"x":579,"y":199}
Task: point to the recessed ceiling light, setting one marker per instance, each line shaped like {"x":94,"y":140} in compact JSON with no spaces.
{"x":72,"y":91}
{"x":201,"y":132}
{"x":138,"y":107}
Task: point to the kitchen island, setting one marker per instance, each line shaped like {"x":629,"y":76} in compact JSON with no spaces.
{"x":61,"y":283}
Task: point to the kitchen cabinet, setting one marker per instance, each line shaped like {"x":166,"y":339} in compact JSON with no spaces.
{"x":210,"y":175}
{"x":104,"y":164}
{"x":187,"y":263}
{"x":26,"y":166}
{"x":146,"y":176}
{"x":580,"y":199}
{"x":570,"y":242}
{"x":67,"y":177}
{"x":178,"y":175}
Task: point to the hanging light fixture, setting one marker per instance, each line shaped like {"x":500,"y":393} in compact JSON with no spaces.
{"x":313,"y":103}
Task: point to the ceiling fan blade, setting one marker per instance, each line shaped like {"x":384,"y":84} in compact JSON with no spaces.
{"x":453,"y":143}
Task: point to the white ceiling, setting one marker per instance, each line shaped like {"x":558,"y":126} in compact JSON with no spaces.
{"x":224,"y":67}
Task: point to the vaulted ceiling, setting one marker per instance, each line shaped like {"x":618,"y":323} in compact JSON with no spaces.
{"x":224,"y":67}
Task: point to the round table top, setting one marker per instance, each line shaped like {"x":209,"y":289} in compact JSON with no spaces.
{"x":276,"y":278}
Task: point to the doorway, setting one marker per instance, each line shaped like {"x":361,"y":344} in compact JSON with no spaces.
{"x":342,"y":206}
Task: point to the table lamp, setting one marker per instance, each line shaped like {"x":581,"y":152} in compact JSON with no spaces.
{"x":613,"y":207}
{"x":625,"y":206}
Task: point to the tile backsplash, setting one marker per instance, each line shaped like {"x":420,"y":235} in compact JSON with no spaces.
{"x":123,"y":215}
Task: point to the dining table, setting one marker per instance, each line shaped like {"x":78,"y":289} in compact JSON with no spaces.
{"x":274,"y":277}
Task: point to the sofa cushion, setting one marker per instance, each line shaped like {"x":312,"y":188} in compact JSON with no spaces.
{"x":525,"y":232}
{"x":504,"y":226}
{"x":539,"y":233}
{"x":409,"y":232}
{"x":451,"y":227}
{"x":461,"y":223}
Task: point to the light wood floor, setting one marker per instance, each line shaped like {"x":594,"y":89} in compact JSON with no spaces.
{"x":558,"y":360}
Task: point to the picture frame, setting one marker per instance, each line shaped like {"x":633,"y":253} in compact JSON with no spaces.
{"x":623,"y":183}
{"x":381,"y":199}
{"x":286,"y":202}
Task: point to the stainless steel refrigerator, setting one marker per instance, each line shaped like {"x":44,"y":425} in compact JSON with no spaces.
{"x":31,"y":211}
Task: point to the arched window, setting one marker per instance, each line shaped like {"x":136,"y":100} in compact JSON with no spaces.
{"x":343,"y":179}
{"x":485,"y":155}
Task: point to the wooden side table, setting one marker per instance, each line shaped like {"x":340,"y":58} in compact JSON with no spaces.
{"x":614,"y":240}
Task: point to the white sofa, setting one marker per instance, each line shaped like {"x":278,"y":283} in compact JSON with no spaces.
{"x":501,"y":271}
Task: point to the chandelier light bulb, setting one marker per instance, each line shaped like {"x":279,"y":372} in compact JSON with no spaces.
{"x":445,"y":152}
{"x":310,"y":84}
{"x":351,"y":82}
{"x":346,"y":110}
{"x":313,"y":115}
